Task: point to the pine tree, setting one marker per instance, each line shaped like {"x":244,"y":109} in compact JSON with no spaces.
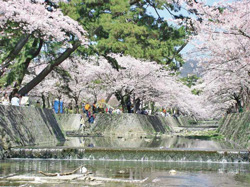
{"x":126,"y":27}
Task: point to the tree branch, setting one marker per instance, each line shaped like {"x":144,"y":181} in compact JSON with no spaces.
{"x":177,"y":52}
{"x":48,"y":69}
{"x":12,"y":55}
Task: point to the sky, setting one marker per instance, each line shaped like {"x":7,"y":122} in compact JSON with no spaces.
{"x":167,"y":16}
{"x":187,"y":68}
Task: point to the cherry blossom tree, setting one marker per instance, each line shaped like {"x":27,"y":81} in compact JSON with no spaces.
{"x":142,"y":81}
{"x":228,"y":90}
{"x":72,"y":80}
{"x":149,"y":81}
{"x":224,"y":33}
{"x":221,"y":36}
{"x":32,"y":20}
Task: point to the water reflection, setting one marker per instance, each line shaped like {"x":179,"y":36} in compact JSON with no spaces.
{"x":205,"y":174}
{"x":145,"y":142}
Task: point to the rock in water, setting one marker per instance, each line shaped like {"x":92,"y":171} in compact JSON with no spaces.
{"x":121,"y":171}
{"x":83,"y":170}
{"x":172,"y":172}
{"x":156,"y":180}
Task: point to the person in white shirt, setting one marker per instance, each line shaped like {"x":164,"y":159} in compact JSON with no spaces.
{"x":5,"y":99}
{"x":25,"y":101}
{"x":118,"y":111}
{"x":15,"y":100}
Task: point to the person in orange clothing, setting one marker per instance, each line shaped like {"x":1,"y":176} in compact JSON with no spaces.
{"x":164,"y":112}
{"x":87,"y":106}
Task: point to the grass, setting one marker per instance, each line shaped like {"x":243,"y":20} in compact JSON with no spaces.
{"x":243,"y":178}
{"x":204,"y":135}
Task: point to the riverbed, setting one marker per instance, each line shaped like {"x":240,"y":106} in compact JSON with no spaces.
{"x":155,"y":173}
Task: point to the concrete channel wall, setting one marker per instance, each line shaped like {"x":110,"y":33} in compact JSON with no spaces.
{"x":121,"y":124}
{"x":28,"y":126}
{"x":136,"y":124}
{"x":24,"y":126}
{"x":236,"y":128}
{"x":2,"y":155}
{"x":69,"y":122}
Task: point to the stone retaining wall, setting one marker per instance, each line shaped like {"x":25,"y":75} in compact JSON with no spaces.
{"x":22,"y":126}
{"x":236,"y":128}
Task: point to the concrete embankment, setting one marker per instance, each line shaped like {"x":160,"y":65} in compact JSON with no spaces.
{"x":24,"y":126}
{"x":21,"y":126}
{"x":69,"y":122}
{"x":132,"y":124}
{"x":236,"y":128}
{"x":122,"y":124}
{"x":2,"y":155}
{"x":136,"y":124}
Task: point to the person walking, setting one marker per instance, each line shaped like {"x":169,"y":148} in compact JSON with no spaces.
{"x":83,"y":107}
{"x":129,"y":106}
{"x":94,"y":108}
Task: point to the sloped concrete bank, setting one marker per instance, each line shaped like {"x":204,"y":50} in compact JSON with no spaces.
{"x":121,"y":124}
{"x":236,"y":128}
{"x":127,"y":124}
{"x":24,"y":126}
{"x":2,"y":155}
{"x":69,"y":122}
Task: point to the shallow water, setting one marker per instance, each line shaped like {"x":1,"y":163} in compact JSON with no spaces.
{"x":144,"y":142}
{"x":187,"y":174}
{"x":157,"y":173}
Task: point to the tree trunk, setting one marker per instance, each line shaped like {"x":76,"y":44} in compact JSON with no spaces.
{"x":238,"y":102}
{"x":76,"y":104}
{"x":48,"y":102}
{"x":24,"y":66}
{"x":142,"y":103}
{"x":48,"y":69}
{"x":108,"y":98}
{"x":123,"y":105}
{"x":44,"y":100}
{"x":151,"y":106}
{"x":120,"y":97}
{"x":95,"y":98}
{"x":33,"y":53}
{"x":176,"y":53}
{"x":12,"y":55}
{"x":134,"y":103}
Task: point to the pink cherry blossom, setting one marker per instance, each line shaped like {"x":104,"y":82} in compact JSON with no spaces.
{"x":34,"y":18}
